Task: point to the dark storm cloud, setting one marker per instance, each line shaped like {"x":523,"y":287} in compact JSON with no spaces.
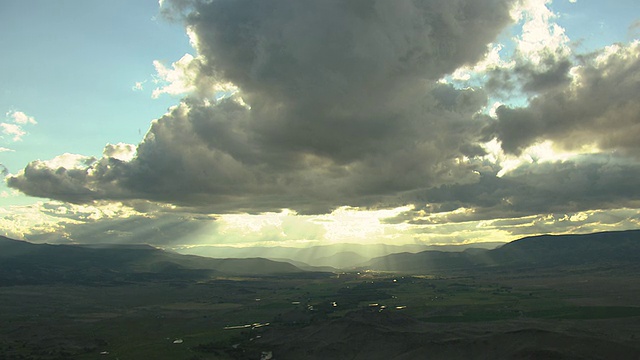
{"x":38,"y":179}
{"x":600,"y":107}
{"x":555,"y":74}
{"x":344,"y":109}
{"x":550,"y":72}
{"x":340,"y":79}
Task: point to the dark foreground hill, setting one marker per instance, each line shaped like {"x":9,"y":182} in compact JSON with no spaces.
{"x":26,"y":263}
{"x":605,"y":248}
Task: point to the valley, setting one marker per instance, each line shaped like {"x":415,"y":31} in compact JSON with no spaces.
{"x":342,"y":316}
{"x":134,"y":303}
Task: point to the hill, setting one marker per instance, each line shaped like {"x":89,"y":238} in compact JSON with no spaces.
{"x":22,"y":263}
{"x":336,"y":255}
{"x":615,"y":247}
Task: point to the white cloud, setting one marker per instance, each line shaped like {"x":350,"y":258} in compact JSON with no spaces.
{"x":21,"y":118}
{"x":68,"y":161}
{"x":179,"y":79}
{"x":13,"y":130}
{"x":19,"y":222}
{"x":120,"y":151}
{"x":541,"y":36}
{"x":15,"y":121}
{"x":57,"y":221}
{"x":545,"y":151}
{"x":184,"y":77}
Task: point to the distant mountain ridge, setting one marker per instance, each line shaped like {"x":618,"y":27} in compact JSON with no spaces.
{"x":619,"y":247}
{"x":23,"y":262}
{"x":335,"y":255}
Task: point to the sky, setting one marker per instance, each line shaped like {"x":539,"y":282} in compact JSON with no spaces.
{"x":184,"y":123}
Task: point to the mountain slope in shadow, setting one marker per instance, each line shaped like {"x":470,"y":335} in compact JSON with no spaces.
{"x":615,"y":247}
{"x":22,"y":262}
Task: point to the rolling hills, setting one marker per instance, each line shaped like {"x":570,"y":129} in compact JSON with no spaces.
{"x":22,"y":262}
{"x":341,"y":256}
{"x":615,"y":247}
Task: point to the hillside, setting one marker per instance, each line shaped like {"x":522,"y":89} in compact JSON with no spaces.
{"x":336,"y":255}
{"x":23,"y":262}
{"x":617,"y":247}
{"x":614,"y":246}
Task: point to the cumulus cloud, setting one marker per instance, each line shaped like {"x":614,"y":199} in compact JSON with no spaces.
{"x":120,"y":151}
{"x":600,"y":106}
{"x":185,"y":77}
{"x":541,"y":36}
{"x":542,"y":57}
{"x":334,"y":100}
{"x":584,"y":183}
{"x":323,"y":105}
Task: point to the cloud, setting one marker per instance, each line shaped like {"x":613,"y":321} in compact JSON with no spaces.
{"x":14,"y":125}
{"x":585,"y":183}
{"x":599,"y":107}
{"x":120,"y":151}
{"x":184,"y":77}
{"x":13,"y":130}
{"x":334,"y":100}
{"x":542,"y":57}
{"x":541,"y":36}
{"x":58,"y":222}
{"x":138,"y":86}
{"x":492,"y":62}
{"x":321,"y":107}
{"x":21,"y":118}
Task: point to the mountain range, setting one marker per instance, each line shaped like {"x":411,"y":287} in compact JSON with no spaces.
{"x":22,"y":262}
{"x":615,"y":247}
{"x":340,"y":256}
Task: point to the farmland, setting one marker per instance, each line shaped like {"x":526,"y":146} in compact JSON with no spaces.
{"x":314,"y":316}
